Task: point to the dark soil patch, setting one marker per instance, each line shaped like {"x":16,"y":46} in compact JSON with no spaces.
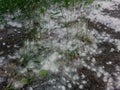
{"x":106,"y":47}
{"x":3,"y":82}
{"x":94,"y":83}
{"x":103,"y":58}
{"x":113,"y":13}
{"x":103,"y":28}
{"x":11,"y":39}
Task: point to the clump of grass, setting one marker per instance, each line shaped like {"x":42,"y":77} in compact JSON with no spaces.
{"x":26,"y":80}
{"x":28,"y":5}
{"x":84,"y":37}
{"x":25,"y":59}
{"x":31,"y":35}
{"x":8,"y":88}
{"x":31,"y":52}
{"x":70,"y":54}
{"x":28,"y":52}
{"x":13,"y":5}
{"x":43,"y":73}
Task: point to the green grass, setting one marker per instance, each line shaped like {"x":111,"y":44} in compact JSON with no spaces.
{"x":43,"y":73}
{"x":13,"y":5}
{"x":26,"y":81}
{"x":84,"y":37}
{"x":70,"y":55}
{"x":28,"y":5}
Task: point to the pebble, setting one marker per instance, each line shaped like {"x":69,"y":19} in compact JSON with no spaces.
{"x":75,"y":77}
{"x":99,"y":74}
{"x":83,"y":76}
{"x":84,"y":82}
{"x":3,"y":43}
{"x":1,"y":38}
{"x":83,"y":54}
{"x":63,"y":88}
{"x":112,"y":49}
{"x":18,"y":85}
{"x":29,"y":88}
{"x":80,"y":86}
{"x":93,"y":60}
{"x":94,"y":69}
{"x":109,"y":62}
{"x":69,"y":85}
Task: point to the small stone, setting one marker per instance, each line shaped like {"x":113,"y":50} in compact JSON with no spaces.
{"x":69,"y":85}
{"x":118,"y":46}
{"x":88,"y":58}
{"x":62,"y":87}
{"x":93,"y":60}
{"x":112,"y":49}
{"x":8,"y":46}
{"x":88,"y":67}
{"x":83,"y":76}
{"x":2,"y":58}
{"x":63,"y":79}
{"x":15,"y":46}
{"x":106,"y":74}
{"x":73,"y":70}
{"x":54,"y":86}
{"x":94,"y":69}
{"x":18,"y":32}
{"x":109,"y":62}
{"x":18,"y":85}
{"x":83,"y":54}
{"x":1,"y":38}
{"x":29,"y":88}
{"x":80,"y":86}
{"x":75,"y":77}
{"x":84,"y":82}
{"x":3,"y":43}
{"x":1,"y":52}
{"x":105,"y":79}
{"x":99,"y":74}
